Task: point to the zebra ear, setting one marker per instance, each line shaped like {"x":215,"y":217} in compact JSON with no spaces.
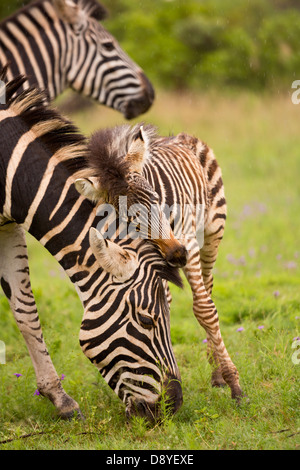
{"x":137,"y":153}
{"x":89,"y":188}
{"x":70,"y":12}
{"x":112,"y":258}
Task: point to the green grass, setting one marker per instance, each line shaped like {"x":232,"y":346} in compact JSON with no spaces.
{"x":257,"y":278}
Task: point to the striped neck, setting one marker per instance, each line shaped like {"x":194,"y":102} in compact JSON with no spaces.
{"x":47,"y":205}
{"x":40,"y":154}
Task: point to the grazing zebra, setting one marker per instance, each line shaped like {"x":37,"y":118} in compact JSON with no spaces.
{"x":183,"y":171}
{"x":120,"y":284}
{"x":60,"y":43}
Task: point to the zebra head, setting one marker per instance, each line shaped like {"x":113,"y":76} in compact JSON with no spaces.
{"x":126,"y":333}
{"x":97,"y":65}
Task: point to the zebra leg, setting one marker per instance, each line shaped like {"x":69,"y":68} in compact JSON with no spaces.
{"x":15,"y":282}
{"x":216,"y":376}
{"x":207,"y":315}
{"x":208,"y":256}
{"x":213,"y":234}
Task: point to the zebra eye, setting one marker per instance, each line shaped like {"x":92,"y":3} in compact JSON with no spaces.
{"x":108,"y":46}
{"x":145,"y":321}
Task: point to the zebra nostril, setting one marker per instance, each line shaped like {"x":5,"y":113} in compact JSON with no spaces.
{"x":141,"y":104}
{"x":147,"y":87}
{"x":173,"y":390}
{"x":141,"y":407}
{"x":178,"y":257}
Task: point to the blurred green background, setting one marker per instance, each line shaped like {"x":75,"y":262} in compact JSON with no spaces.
{"x":222,"y":71}
{"x":193,"y":44}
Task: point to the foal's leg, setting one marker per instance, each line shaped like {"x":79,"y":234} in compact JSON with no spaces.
{"x":213,"y":234}
{"x":208,"y":256}
{"x":15,"y":281}
{"x":206,"y":314}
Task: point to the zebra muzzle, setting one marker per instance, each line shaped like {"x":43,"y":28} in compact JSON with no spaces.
{"x":168,"y":402}
{"x":140,"y":105}
{"x":173,"y":251}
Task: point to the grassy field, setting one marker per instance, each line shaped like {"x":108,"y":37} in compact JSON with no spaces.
{"x":256,"y":290}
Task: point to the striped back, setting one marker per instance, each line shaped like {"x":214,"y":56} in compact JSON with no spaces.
{"x":61,"y":43}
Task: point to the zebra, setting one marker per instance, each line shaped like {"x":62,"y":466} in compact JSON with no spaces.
{"x":42,"y":155}
{"x":183,"y":172}
{"x":61,"y":43}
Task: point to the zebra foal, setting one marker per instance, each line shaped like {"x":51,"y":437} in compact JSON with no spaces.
{"x":183,"y":172}
{"x":120,"y":283}
{"x":61,"y":43}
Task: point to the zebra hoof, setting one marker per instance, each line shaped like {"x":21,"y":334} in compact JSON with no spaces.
{"x":72,"y":414}
{"x":218,"y":384}
{"x":239,"y":397}
{"x":218,"y":381}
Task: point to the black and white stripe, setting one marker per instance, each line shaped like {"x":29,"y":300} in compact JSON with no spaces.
{"x":60,"y":43}
{"x":127,"y":321}
{"x":179,"y":173}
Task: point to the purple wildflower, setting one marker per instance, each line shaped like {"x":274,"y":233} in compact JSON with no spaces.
{"x":261,"y":327}
{"x":240,"y":329}
{"x":204,"y":341}
{"x":262,"y":208}
{"x":231,"y":259}
{"x":276,"y":293}
{"x":242,"y":261}
{"x":18,"y":375}
{"x":36,"y":392}
{"x":62,"y":377}
{"x":296,"y":338}
{"x":290,"y":265}
{"x":247,"y":210}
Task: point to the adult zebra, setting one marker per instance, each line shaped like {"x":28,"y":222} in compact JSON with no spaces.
{"x":184,"y":173}
{"x":60,"y":43}
{"x":40,"y":155}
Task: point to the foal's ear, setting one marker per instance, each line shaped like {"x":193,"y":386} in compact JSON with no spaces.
{"x":89,"y":188}
{"x":137,"y":152}
{"x":67,"y":10}
{"x":75,"y":15}
{"x":113,"y":259}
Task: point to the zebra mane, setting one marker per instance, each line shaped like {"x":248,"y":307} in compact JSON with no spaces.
{"x":58,"y":134}
{"x":106,"y":157}
{"x":108,"y":148}
{"x":91,"y":7}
